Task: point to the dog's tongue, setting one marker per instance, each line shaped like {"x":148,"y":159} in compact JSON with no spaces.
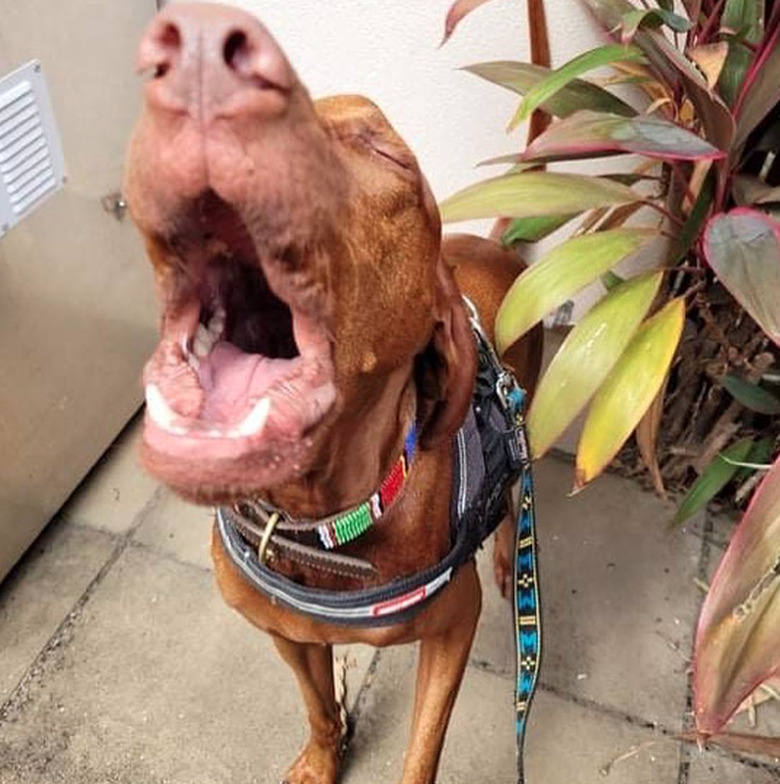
{"x":232,"y":381}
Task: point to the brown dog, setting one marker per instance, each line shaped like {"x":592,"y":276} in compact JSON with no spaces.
{"x":309,"y":316}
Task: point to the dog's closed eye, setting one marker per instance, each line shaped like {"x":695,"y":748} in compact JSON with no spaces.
{"x":392,"y":153}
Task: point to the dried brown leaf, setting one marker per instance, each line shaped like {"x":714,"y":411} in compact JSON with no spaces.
{"x":647,"y":439}
{"x":710,"y":59}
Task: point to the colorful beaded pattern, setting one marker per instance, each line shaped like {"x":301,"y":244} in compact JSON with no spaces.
{"x":349,"y":525}
{"x":527,"y":611}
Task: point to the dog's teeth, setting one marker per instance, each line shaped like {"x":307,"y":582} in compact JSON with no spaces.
{"x":193,"y":362}
{"x":254,"y":421}
{"x":204,"y":342}
{"x":160,"y":411}
{"x":217,"y":322}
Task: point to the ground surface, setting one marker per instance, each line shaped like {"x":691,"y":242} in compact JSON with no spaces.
{"x":120,"y":664}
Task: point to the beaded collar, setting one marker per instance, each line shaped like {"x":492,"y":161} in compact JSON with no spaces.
{"x":338,"y":529}
{"x":346,"y":526}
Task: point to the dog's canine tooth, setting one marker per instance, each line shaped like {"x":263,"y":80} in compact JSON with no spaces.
{"x":217,"y":322}
{"x":159,"y":410}
{"x":204,"y":342}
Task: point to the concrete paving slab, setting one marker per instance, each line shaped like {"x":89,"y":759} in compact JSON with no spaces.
{"x":158,"y":682}
{"x":116,"y":490}
{"x":566,"y":743}
{"x":712,"y":768}
{"x":179,"y":529}
{"x":619,"y":599}
{"x":40,"y":592}
{"x":182,"y":531}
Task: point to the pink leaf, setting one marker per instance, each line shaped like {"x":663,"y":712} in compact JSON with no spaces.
{"x":738,"y":638}
{"x":588,"y":134}
{"x":459,"y":10}
{"x":743,"y":248}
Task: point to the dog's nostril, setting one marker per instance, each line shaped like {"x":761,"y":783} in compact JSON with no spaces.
{"x":236,"y":51}
{"x":167,"y":50}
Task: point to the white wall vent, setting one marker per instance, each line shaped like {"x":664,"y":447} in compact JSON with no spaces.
{"x":32,"y":166}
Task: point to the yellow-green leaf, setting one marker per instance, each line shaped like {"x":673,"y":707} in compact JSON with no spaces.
{"x":532,"y":194}
{"x":558,"y":79}
{"x":558,"y":275}
{"x":587,"y":355}
{"x":629,"y":390}
{"x":576,"y":95}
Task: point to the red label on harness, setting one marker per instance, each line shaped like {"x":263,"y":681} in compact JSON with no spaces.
{"x":401,"y":603}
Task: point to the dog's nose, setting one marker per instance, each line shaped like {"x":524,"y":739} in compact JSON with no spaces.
{"x":206,"y":58}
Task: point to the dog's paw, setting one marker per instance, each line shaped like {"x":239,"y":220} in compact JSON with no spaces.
{"x":315,"y":765}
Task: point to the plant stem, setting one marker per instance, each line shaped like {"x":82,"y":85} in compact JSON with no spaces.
{"x":668,"y":215}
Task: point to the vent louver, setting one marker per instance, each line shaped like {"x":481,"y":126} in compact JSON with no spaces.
{"x":31,"y":161}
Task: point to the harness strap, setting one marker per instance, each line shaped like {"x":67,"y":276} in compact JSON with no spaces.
{"x":382,"y":605}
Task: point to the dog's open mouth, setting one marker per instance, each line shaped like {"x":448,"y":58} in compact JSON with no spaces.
{"x":240,"y":375}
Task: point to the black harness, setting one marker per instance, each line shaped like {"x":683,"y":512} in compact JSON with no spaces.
{"x":489,"y":454}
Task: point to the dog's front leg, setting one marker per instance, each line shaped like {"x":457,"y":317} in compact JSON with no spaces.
{"x":319,"y":761}
{"x":442,"y":662}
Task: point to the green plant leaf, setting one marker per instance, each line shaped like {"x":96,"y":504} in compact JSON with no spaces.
{"x":587,"y":355}
{"x":738,"y":636}
{"x":651,"y":17}
{"x":588,"y":134}
{"x":761,"y":454}
{"x":760,"y":89}
{"x":557,"y":79}
{"x":577,"y":94}
{"x":752,"y":396}
{"x":743,"y":248}
{"x":534,"y":194}
{"x":558,"y":275}
{"x":691,"y":229}
{"x":747,"y":18}
{"x":713,"y":479}
{"x":533,"y":229}
{"x":610,"y":280}
{"x":628,"y":391}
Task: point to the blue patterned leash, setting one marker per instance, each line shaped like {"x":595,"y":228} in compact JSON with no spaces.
{"x":527,"y":611}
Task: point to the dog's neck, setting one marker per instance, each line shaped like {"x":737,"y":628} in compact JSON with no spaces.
{"x":358,"y":453}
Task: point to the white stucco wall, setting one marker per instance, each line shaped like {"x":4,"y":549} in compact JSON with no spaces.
{"x":388,"y":51}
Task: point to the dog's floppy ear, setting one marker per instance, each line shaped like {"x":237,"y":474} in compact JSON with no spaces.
{"x":446,"y":369}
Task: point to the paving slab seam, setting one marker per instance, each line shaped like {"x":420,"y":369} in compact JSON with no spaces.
{"x":167,"y":556}
{"x":365,"y":687}
{"x":684,"y":768}
{"x":582,"y":702}
{"x":62,"y":635}
{"x":353,"y":716}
